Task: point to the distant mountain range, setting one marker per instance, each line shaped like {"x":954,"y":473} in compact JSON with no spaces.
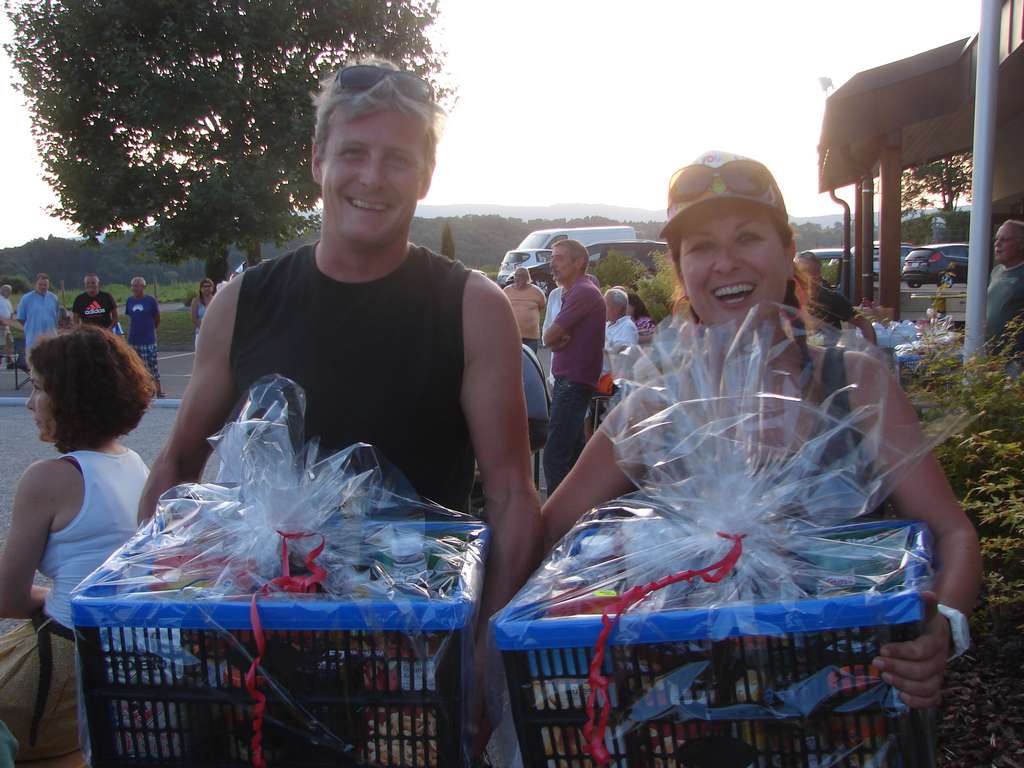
{"x":575,"y":211}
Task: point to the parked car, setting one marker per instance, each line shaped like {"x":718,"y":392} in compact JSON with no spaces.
{"x":905,"y":249}
{"x":928,"y":263}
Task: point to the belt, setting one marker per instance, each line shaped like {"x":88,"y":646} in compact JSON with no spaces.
{"x":45,"y":626}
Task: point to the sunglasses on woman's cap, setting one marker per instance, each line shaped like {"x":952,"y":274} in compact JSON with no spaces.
{"x":717,"y":175}
{"x":362,"y":77}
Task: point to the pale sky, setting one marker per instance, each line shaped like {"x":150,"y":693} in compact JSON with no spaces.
{"x":594,"y":101}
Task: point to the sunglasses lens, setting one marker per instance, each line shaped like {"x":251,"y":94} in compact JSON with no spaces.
{"x":745,"y":178}
{"x":412,"y":86}
{"x":363,"y":77}
{"x":690,"y":183}
{"x":360,"y":77}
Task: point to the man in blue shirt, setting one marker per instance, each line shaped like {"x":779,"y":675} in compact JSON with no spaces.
{"x":144,"y":315}
{"x":38,"y":311}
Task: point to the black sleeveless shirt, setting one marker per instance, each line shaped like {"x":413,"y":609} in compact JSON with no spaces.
{"x":381,"y":362}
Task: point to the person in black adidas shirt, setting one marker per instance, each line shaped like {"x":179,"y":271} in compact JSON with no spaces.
{"x":93,"y":306}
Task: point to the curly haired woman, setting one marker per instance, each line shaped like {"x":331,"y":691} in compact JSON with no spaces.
{"x":70,"y":513}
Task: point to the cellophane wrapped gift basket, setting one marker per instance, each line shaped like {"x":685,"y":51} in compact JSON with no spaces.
{"x":313,"y":612}
{"x":726,"y":613}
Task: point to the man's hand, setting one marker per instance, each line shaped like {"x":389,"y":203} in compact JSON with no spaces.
{"x":916,"y":668}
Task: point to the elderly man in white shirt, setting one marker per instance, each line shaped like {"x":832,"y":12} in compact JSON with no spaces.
{"x":620,"y":330}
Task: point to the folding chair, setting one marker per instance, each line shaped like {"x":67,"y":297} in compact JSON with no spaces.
{"x":538,"y":406}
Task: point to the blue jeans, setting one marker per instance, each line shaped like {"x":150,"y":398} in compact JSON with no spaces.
{"x":569,"y":402}
{"x":532,"y":344}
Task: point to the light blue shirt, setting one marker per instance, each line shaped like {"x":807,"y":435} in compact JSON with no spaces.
{"x":39,"y":313}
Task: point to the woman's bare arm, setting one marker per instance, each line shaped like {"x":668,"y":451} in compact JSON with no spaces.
{"x":46,"y":489}
{"x":596,"y":478}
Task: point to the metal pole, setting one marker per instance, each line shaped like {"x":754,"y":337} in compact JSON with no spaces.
{"x":981,"y":183}
{"x":866,"y":254}
{"x":845,"y":272}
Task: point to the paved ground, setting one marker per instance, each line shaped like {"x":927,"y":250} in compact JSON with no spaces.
{"x":175,"y":371}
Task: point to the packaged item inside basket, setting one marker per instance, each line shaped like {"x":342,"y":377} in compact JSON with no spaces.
{"x":751,"y":577}
{"x":305,"y":610}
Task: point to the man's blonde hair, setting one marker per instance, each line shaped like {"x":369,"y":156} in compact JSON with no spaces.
{"x":382,"y":96}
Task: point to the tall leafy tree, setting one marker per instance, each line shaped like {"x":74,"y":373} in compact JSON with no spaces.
{"x":448,"y":242}
{"x":191,"y":121}
{"x":944,"y":181}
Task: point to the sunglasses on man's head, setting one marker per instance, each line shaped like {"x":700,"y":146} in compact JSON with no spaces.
{"x":741,"y":177}
{"x":362,"y":77}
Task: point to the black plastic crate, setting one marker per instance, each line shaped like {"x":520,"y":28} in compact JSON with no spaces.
{"x":178,"y":697}
{"x":669,"y":717}
{"x":762,"y":685}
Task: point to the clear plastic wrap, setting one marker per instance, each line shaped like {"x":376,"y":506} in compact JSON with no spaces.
{"x":312,"y":611}
{"x":727,"y":611}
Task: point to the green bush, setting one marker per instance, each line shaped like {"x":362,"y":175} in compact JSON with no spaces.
{"x":616,"y":268}
{"x":985,"y":467}
{"x":658,"y":290}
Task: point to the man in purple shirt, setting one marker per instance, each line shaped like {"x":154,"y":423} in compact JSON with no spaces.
{"x":576,"y":340}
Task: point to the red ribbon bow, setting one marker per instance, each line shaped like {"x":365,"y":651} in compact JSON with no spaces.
{"x":285,"y":583}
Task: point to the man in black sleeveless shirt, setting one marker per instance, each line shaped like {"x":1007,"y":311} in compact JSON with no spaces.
{"x":394,"y":345}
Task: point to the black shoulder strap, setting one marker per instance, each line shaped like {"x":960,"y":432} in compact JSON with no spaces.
{"x":833,"y":380}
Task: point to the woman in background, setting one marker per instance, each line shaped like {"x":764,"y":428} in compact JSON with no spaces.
{"x":70,"y":513}
{"x":201,"y":303}
{"x":645,"y":326}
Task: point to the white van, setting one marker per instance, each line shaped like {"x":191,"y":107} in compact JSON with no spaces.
{"x":535,"y":250}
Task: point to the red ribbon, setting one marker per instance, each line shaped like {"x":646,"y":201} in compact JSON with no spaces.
{"x":594,"y":734}
{"x":285,"y":583}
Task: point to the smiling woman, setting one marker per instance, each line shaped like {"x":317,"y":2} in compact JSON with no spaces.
{"x":732,"y":251}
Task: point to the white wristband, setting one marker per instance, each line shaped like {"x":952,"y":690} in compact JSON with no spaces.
{"x":958,"y":629}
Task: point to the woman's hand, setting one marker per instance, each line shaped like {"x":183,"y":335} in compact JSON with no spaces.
{"x":916,"y":668}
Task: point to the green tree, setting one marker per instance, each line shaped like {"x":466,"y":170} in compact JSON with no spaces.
{"x":616,"y":268}
{"x":944,"y":181}
{"x":658,"y":290}
{"x":448,"y":242}
{"x":191,"y":121}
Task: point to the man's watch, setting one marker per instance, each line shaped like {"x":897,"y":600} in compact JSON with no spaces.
{"x":958,"y":629}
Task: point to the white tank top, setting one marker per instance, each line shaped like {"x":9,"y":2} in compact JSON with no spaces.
{"x":107,"y":519}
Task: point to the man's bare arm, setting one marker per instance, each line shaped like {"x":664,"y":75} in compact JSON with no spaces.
{"x":205,"y":406}
{"x":495,"y":408}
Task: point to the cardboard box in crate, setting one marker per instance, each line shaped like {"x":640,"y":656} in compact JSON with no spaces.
{"x":764,"y":685}
{"x":347,"y":682}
